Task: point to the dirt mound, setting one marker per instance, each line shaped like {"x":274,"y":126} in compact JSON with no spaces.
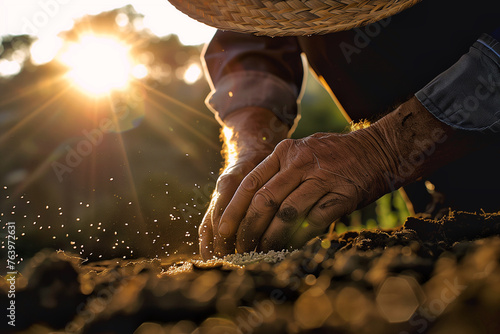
{"x":427,"y":276}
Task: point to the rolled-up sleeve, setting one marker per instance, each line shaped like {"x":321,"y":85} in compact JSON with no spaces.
{"x":249,"y":71}
{"x":467,"y":95}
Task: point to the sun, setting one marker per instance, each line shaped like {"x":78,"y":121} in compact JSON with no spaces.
{"x":98,"y":64}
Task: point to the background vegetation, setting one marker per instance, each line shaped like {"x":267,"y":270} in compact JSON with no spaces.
{"x":143,"y":187}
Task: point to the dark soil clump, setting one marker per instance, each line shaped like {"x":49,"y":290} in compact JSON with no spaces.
{"x":428,"y":276}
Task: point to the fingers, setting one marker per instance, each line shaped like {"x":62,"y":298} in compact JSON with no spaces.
{"x":324,"y":213}
{"x":290,"y":216}
{"x":205,"y":235}
{"x":226,"y":187}
{"x":212,"y":244}
{"x":263,"y":207}
{"x":227,"y":184}
{"x":295,"y":225}
{"x":237,"y":207}
{"x":332,"y":206}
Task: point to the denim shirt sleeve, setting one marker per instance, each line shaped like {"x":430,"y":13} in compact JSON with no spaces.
{"x":467,"y":95}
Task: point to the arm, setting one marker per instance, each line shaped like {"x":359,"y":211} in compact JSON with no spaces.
{"x":249,"y":71}
{"x":305,"y":185}
{"x":255,"y":83}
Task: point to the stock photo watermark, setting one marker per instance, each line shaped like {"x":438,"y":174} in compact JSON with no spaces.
{"x":74,"y":155}
{"x":406,"y":167}
{"x":362,"y":38}
{"x":424,"y":316}
{"x":260,"y":311}
{"x":486,"y":89}
{"x":11,"y":272}
{"x":88,"y":310}
{"x":47,"y":10}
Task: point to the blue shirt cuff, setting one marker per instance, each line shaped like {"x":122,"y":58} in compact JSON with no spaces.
{"x":253,"y":89}
{"x":467,"y":95}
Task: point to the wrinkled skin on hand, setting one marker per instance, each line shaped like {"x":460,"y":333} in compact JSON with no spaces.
{"x":250,"y":135}
{"x":304,"y":185}
{"x":211,"y":243}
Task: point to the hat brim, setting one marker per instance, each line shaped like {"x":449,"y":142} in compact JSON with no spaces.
{"x":290,"y":17}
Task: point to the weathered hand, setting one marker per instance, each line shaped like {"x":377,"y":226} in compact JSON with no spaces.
{"x":211,"y":243}
{"x":305,"y":185}
{"x":249,"y":135}
{"x":302,"y":187}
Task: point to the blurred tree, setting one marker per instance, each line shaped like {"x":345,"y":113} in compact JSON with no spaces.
{"x":69,"y":183}
{"x":126,"y":174}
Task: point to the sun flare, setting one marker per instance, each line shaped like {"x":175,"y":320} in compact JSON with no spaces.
{"x":98,"y":64}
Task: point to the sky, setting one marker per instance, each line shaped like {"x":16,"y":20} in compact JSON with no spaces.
{"x":46,"y":18}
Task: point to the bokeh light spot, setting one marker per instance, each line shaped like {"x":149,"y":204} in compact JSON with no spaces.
{"x":44,"y":50}
{"x":122,"y":20}
{"x":396,"y":298}
{"x":192,"y":74}
{"x":9,"y":68}
{"x":140,"y":71}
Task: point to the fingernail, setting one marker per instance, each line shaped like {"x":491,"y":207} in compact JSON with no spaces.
{"x":224,"y":229}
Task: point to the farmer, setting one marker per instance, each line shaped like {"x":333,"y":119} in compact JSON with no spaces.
{"x":428,"y":79}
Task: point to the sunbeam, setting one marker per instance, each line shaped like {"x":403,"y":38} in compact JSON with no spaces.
{"x":129,"y":176}
{"x":35,"y":112}
{"x":186,"y":126}
{"x":179,"y":103}
{"x":31,"y":89}
{"x":111,"y":118}
{"x":208,"y":140}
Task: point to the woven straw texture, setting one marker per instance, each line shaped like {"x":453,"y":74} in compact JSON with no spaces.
{"x":290,"y":17}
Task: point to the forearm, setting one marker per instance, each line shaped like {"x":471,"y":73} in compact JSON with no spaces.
{"x":420,"y":143}
{"x":251,"y":132}
{"x":454,"y":114}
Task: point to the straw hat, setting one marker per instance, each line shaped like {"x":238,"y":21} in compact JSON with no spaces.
{"x":290,"y":17}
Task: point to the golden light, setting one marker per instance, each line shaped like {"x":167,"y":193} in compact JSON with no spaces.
{"x":192,"y":74}
{"x":9,"y":68}
{"x":122,"y":19}
{"x":231,"y":149}
{"x":44,"y":50}
{"x":98,"y":64}
{"x":140,"y":71}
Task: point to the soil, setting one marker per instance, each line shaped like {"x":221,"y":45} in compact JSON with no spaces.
{"x":428,"y":276}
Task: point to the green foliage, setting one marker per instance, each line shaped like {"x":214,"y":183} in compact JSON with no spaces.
{"x":387,"y":212}
{"x":318,"y":111}
{"x":71,"y":185}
